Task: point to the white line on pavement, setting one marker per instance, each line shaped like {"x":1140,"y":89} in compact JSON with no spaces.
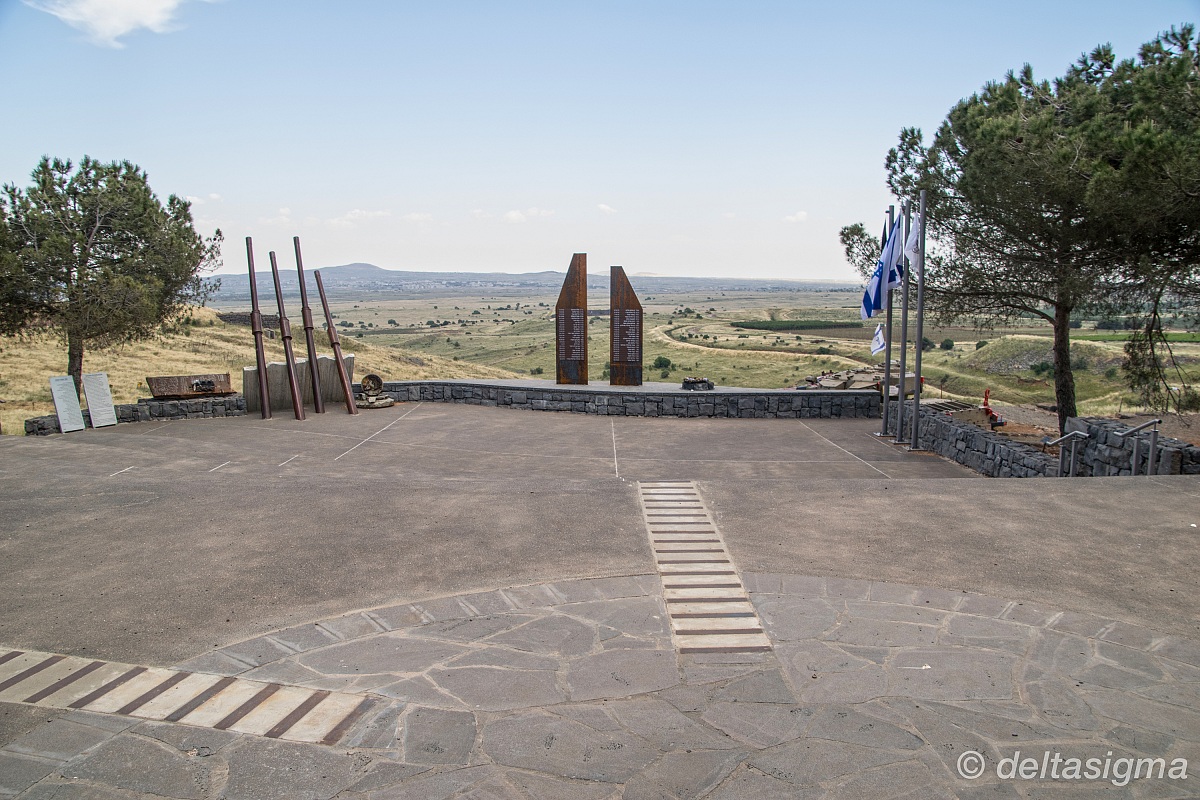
{"x":381,"y":430}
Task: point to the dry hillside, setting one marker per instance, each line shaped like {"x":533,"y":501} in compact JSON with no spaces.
{"x":206,"y":345}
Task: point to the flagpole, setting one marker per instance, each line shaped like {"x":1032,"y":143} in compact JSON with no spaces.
{"x":906,"y":208}
{"x":916,"y":410}
{"x":887,"y":353}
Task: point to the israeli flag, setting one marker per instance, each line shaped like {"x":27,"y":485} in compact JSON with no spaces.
{"x":889,"y":263}
{"x":878,"y":343}
{"x":873,"y":297}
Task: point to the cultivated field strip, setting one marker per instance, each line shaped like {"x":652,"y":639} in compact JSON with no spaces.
{"x":707,"y":604}
{"x":189,"y":698}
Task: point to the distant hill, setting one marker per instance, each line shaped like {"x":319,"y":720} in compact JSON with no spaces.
{"x":358,"y":280}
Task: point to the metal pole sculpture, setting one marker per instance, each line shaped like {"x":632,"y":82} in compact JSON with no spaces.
{"x":625,"y":334}
{"x":285,"y":332}
{"x":336,"y":344}
{"x":256,"y":325}
{"x":306,"y":315}
{"x":570,"y":321}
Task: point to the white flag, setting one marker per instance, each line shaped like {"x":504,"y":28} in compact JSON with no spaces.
{"x":912,"y":247}
{"x":878,"y":343}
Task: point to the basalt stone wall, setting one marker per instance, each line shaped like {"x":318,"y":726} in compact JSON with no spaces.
{"x":1104,"y":453}
{"x":983,"y":451}
{"x":749,"y":404}
{"x":995,"y":455}
{"x":146,"y":410}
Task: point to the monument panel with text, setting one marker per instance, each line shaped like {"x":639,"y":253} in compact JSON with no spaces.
{"x":570,"y":327}
{"x":625,"y":334}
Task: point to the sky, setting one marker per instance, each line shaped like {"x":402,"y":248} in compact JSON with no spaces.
{"x":672,"y":137}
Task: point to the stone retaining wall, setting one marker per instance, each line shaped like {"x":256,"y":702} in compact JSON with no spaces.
{"x":146,"y":410}
{"x":678,"y":403}
{"x":995,"y":455}
{"x":1105,"y":454}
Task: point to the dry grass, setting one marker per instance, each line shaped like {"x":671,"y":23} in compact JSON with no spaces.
{"x":26,"y":366}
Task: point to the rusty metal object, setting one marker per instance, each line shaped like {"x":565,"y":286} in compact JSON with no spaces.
{"x":625,"y":332}
{"x":571,"y":335}
{"x":372,"y":393}
{"x":185,"y":387}
{"x":256,"y":325}
{"x":285,"y":330}
{"x":336,"y":344}
{"x":306,"y":315}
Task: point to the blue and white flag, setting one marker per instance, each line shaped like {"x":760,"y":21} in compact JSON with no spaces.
{"x":878,"y":343}
{"x":889,"y":264}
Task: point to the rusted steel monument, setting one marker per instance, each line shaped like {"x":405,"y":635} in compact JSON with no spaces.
{"x":625,"y":334}
{"x":571,"y":335}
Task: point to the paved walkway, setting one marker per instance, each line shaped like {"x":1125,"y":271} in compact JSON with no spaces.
{"x":553,"y":661}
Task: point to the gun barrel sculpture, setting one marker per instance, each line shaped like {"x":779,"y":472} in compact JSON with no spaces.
{"x":256,"y":325}
{"x":285,"y":332}
{"x":336,"y":344}
{"x":306,"y":315}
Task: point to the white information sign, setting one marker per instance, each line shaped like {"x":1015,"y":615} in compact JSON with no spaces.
{"x":66,"y":403}
{"x":99,"y":399}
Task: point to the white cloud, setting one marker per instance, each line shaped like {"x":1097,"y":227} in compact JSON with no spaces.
{"x":354,"y":216}
{"x":283,"y":217}
{"x":479,"y":213}
{"x":213,"y":197}
{"x":607,"y":209}
{"x":527,"y":214}
{"x":419,"y":217}
{"x":799,"y":216}
{"x":106,"y":21}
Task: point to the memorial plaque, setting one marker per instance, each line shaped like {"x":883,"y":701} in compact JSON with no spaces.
{"x":66,"y":403}
{"x":625,"y":335}
{"x":571,"y":321}
{"x":99,"y":399}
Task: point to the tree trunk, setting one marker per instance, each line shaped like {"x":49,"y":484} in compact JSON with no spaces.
{"x":75,"y":360}
{"x":1064,"y":379}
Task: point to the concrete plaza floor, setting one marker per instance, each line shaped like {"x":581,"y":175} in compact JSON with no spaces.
{"x":485,"y":577}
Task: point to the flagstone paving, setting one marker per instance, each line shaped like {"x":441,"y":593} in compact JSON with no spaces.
{"x":216,"y":562}
{"x":576,"y":689}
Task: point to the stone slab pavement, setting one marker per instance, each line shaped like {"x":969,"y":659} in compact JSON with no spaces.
{"x":487,"y":572}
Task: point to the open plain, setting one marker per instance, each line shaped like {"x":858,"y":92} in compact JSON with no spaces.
{"x":480,"y":592}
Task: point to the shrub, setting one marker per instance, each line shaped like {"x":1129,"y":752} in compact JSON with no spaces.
{"x":1042,"y":368}
{"x":824,"y":351}
{"x":1079,"y":364}
{"x":927,"y":343}
{"x":664,"y":374}
{"x":662,"y":362}
{"x":392,"y":322}
{"x":1110,"y":373}
{"x":947,"y":344}
{"x":536,"y":371}
{"x":982,"y":343}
